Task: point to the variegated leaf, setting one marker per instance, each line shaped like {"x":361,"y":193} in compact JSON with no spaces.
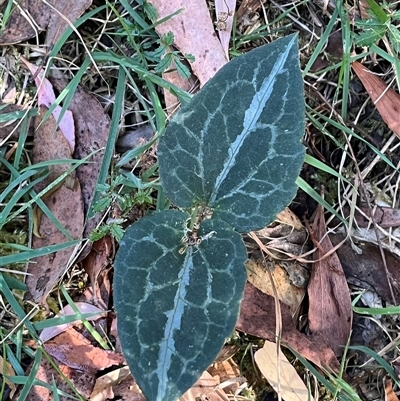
{"x":176,"y":303}
{"x":236,"y":146}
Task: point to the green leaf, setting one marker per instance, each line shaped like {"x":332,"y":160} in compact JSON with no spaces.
{"x":14,"y":284}
{"x":378,"y":11}
{"x":176,"y":303}
{"x":167,"y":39}
{"x":183,"y":71}
{"x":394,"y":36}
{"x":235,"y":147}
{"x":164,"y":63}
{"x":371,"y":35}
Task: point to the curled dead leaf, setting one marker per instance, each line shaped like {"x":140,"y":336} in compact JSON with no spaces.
{"x":386,"y":100}
{"x":75,"y":351}
{"x":390,"y":395}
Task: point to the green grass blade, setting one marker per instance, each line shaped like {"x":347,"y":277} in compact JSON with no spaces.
{"x":88,"y":326}
{"x":17,"y":182}
{"x":390,"y":310}
{"x":31,"y":377}
{"x":381,"y":361}
{"x":56,"y":321}
{"x":344,"y":73}
{"x":14,"y":284}
{"x":64,"y":37}
{"x":377,"y":10}
{"x":312,"y":161}
{"x":348,"y":131}
{"x":318,"y":198}
{"x":16,"y":306}
{"x":23,"y":134}
{"x":112,"y":137}
{"x":322,"y":42}
{"x":34,"y":253}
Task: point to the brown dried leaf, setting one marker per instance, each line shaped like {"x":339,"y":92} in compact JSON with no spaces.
{"x":227,"y":351}
{"x":81,"y":381}
{"x":289,"y":218}
{"x":194,"y":18}
{"x":99,"y":294}
{"x":291,"y":387}
{"x":65,"y":204}
{"x":335,"y":44}
{"x":95,"y":264}
{"x":7,"y":370}
{"x":330,"y":311}
{"x":9,"y":129}
{"x":92,"y":128}
{"x":390,"y":395}
{"x":74,"y":350}
{"x":384,"y":217}
{"x":204,"y":389}
{"x":118,"y":383}
{"x":55,"y":16}
{"x":227,"y":373}
{"x":368,"y":267}
{"x":257,"y":317}
{"x":386,"y":100}
{"x":171,"y":101}
{"x":288,"y":293}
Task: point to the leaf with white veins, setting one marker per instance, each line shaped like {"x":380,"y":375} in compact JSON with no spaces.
{"x":236,"y":146}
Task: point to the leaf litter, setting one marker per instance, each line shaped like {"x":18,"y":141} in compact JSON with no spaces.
{"x":75,"y":351}
{"x":81,"y":381}
{"x":83,"y":307}
{"x":92,"y":127}
{"x":65,"y":204}
{"x":78,"y":360}
{"x":290,"y":294}
{"x":206,"y":48}
{"x":34,"y":16}
{"x":257,"y":317}
{"x":280,"y":373}
{"x":97,"y":266}
{"x":330,"y":310}
{"x":86,"y":137}
{"x":46,"y":97}
{"x":386,"y":100}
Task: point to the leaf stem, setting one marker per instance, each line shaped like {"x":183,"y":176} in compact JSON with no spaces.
{"x":194,"y":217}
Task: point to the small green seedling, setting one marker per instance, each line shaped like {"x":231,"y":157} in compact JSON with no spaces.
{"x":228,"y":162}
{"x":381,"y":22}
